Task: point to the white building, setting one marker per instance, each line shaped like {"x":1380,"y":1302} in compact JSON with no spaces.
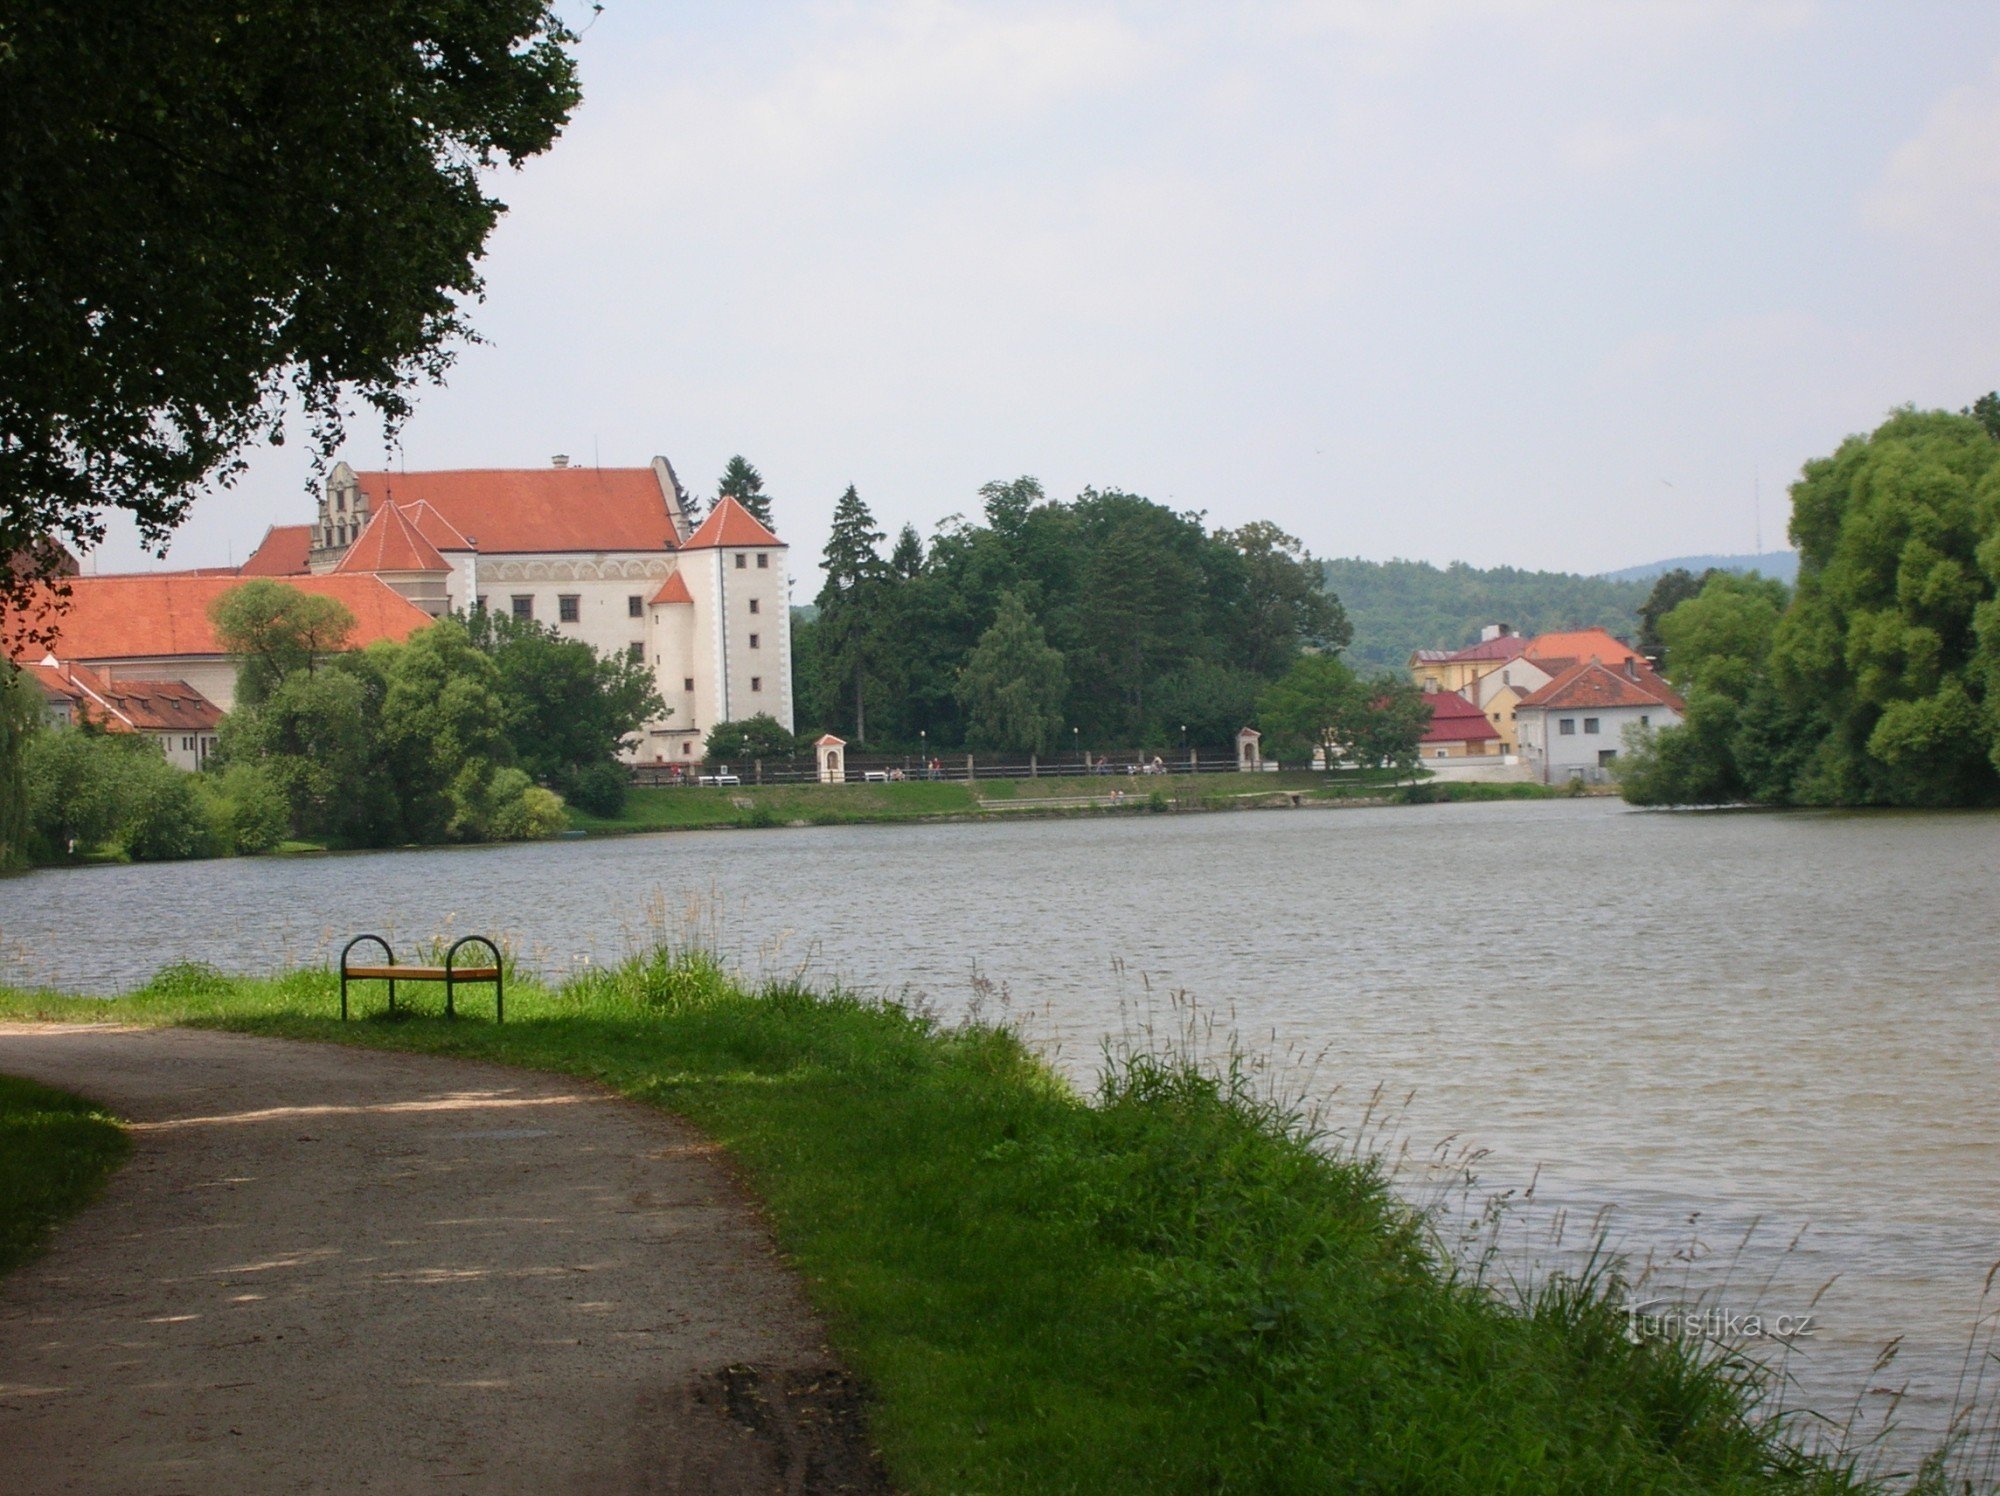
{"x":1573,"y":727}
{"x":604,"y":555}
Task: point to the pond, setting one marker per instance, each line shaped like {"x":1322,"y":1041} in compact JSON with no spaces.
{"x":1736,"y":1029}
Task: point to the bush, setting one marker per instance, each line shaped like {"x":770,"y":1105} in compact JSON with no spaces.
{"x":247,"y":813}
{"x":534,"y":814}
{"x":164,"y":817}
{"x":598,"y":788}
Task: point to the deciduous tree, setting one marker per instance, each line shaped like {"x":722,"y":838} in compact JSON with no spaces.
{"x":214,"y":210}
{"x":1013,"y":684}
{"x":276,"y":630}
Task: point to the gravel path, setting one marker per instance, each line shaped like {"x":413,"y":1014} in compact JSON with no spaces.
{"x":334,"y":1269}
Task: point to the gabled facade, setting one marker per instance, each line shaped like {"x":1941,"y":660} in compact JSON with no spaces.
{"x":1574,"y":727}
{"x":170,"y":712}
{"x":1457,"y":729}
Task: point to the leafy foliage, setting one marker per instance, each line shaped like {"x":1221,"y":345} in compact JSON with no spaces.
{"x":1159,"y":623}
{"x":1012,"y":685}
{"x":215,"y":209}
{"x":1321,"y":705}
{"x":761,"y":736}
{"x":277,"y":630}
{"x":1878,"y":683}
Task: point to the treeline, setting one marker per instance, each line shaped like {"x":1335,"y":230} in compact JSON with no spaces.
{"x":1398,"y":607}
{"x":471,"y":730}
{"x":1877,"y":680}
{"x":1105,"y":621}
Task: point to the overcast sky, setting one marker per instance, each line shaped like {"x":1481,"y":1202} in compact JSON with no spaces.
{"x":1548,"y":283}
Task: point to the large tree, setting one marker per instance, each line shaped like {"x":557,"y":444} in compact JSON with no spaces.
{"x":569,"y":711}
{"x":216,"y":211}
{"x":851,"y":624}
{"x":1012,"y":685}
{"x":276,"y":631}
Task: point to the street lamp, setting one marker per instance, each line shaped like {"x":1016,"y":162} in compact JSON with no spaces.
{"x":924,"y":749}
{"x":1076,"y":744}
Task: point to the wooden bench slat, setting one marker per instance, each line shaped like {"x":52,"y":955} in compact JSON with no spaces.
{"x":422,"y":973}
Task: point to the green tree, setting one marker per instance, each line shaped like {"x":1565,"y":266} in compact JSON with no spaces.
{"x":1286,"y":606}
{"x":247,"y":811}
{"x":1386,"y":724}
{"x":314,"y":737}
{"x":276,"y":630}
{"x":1986,"y":411}
{"x":744,"y":742}
{"x":162,"y":816}
{"x":444,"y":731}
{"x":1312,"y":707}
{"x":20,"y":720}
{"x":1670,"y":590}
{"x":215,"y":210}
{"x":1013,"y":685}
{"x":745,"y":484}
{"x":568,"y":709}
{"x":74,"y":780}
{"x":850,"y":622}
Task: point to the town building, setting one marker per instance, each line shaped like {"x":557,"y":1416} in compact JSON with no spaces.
{"x":1574,"y":727}
{"x":1457,"y":728}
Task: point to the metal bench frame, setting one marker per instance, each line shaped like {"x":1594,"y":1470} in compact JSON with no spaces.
{"x":451,"y":973}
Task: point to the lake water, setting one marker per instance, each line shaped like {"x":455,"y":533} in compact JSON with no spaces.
{"x":1733,"y":1028}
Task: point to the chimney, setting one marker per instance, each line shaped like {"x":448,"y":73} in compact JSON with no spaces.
{"x":1494,"y":631}
{"x":561,"y":459}
{"x":1631,"y":668}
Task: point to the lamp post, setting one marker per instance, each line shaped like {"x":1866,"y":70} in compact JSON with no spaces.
{"x":924,"y":749}
{"x":1076,"y":746}
{"x":1184,"y":752}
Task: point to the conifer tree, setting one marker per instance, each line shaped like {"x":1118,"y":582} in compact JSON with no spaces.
{"x":745,"y":484}
{"x":1013,"y":684}
{"x":848,"y":614}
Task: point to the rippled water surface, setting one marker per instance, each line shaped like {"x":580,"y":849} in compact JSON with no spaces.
{"x":1708,"y":1021}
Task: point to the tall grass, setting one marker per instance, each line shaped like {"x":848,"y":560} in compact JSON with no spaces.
{"x":56,"y":1151}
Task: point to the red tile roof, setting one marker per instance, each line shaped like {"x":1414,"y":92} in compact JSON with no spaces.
{"x":121,"y":705}
{"x":514,"y":510}
{"x":435,"y":528}
{"x":160,"y":615}
{"x":391,"y":543}
{"x":730,"y":524}
{"x":1455,"y":720}
{"x":1591,"y":683}
{"x":1581,"y":644}
{"x":281,"y":553}
{"x":673,"y":590}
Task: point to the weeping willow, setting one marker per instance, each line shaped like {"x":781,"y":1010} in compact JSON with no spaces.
{"x":20,"y":715}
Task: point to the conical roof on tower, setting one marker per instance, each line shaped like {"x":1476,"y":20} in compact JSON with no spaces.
{"x":391,"y":543}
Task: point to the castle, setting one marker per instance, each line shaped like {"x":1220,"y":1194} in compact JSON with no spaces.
{"x":607,"y":556}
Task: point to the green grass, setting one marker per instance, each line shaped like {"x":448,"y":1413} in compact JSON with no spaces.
{"x":1166,"y":1287}
{"x":56,"y":1151}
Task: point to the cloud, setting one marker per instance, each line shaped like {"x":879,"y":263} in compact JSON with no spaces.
{"x":1942,"y":185}
{"x":1601,"y":146}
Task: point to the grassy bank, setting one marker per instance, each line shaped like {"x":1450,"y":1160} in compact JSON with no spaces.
{"x":691,"y":808}
{"x":1165,"y":1287}
{"x":56,"y":1151}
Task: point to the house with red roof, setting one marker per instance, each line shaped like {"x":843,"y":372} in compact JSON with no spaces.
{"x":171,"y":712}
{"x":1574,"y":727}
{"x":608,"y":556}
{"x":1458,"y":728}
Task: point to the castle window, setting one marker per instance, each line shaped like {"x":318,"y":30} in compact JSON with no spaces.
{"x":524,"y":607}
{"x":687,"y":750}
{"x":754,"y":607}
{"x":753,"y":641}
{"x":688,"y":683}
{"x":763,"y":560}
{"x":635,"y":606}
{"x":756,"y":682}
{"x":741,"y":560}
{"x":480,"y":602}
{"x":569,"y":608}
{"x":636,"y":653}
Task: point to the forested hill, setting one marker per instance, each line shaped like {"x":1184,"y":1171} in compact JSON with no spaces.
{"x":1396,"y":607}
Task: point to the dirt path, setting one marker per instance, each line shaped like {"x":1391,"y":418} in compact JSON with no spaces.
{"x":332,"y":1269}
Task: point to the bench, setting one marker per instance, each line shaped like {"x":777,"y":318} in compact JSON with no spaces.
{"x":450,"y":973}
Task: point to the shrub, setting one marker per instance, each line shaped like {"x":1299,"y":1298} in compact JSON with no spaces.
{"x":163,"y":818}
{"x":247,"y":813}
{"x":533,"y":814}
{"x":598,"y":788}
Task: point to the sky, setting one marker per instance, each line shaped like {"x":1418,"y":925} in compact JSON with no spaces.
{"x":1563,"y":284}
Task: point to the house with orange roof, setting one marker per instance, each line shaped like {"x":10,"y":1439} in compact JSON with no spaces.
{"x":1582,"y":644}
{"x":154,"y":627}
{"x":1575,"y":726}
{"x":608,"y":556}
